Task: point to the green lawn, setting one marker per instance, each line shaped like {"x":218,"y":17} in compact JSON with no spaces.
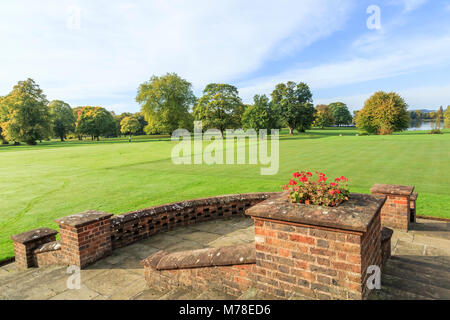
{"x":54,"y":179}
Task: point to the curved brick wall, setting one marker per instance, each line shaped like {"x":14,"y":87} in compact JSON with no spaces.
{"x":134,"y":226}
{"x":91,"y":235}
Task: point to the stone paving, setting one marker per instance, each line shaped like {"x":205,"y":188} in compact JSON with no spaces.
{"x":418,"y":269}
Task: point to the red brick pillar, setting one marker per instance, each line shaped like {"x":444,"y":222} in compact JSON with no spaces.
{"x":25,"y":243}
{"x":396,"y":211}
{"x":85,"y":237}
{"x":413,"y":207}
{"x":315,"y":251}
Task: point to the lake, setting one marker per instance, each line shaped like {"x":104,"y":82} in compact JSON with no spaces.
{"x":422,"y":125}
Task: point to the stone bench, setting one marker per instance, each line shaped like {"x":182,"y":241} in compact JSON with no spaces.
{"x":228,"y":268}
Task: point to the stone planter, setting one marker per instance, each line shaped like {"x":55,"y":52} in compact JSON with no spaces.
{"x":315,"y":251}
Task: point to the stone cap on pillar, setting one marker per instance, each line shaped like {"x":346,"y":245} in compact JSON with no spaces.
{"x":33,"y":235}
{"x":392,"y":189}
{"x":355,"y":214}
{"x":83,"y":219}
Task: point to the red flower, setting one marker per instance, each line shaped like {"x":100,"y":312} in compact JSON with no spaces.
{"x":292,"y":182}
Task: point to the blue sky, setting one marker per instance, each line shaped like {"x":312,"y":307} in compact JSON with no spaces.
{"x":98,"y":52}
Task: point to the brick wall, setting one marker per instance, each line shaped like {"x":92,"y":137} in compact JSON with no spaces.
{"x":319,"y":252}
{"x":134,"y":226}
{"x":92,"y":235}
{"x":316,"y":262}
{"x":48,"y":254}
{"x":234,"y":280}
{"x":85,"y":238}
{"x":230,"y":269}
{"x":396,"y":211}
{"x":25,"y":243}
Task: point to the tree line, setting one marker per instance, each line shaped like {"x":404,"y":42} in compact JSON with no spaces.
{"x":168,"y":103}
{"x":27,"y":116}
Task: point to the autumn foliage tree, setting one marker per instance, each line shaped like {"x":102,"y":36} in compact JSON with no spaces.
{"x":383,"y":113}
{"x":129,"y":125}
{"x":324,"y":116}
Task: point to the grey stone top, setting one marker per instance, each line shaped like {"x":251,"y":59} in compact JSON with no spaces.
{"x":49,"y":246}
{"x":33,"y":235}
{"x":386,"y":234}
{"x":84,"y":218}
{"x":209,"y":257}
{"x":355,"y":214}
{"x":392,"y":189}
{"x":414,"y":196}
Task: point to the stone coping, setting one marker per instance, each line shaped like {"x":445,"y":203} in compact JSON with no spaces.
{"x":49,"y":246}
{"x":414,"y":196}
{"x":209,"y":257}
{"x":178,"y":206}
{"x":84,"y":218}
{"x":386,"y":234}
{"x":392,"y":189}
{"x":33,"y":235}
{"x":355,"y":214}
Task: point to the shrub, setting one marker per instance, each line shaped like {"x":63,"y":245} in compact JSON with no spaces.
{"x":303,"y":188}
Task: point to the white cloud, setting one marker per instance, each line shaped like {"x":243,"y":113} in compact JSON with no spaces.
{"x":378,"y":57}
{"x":118,"y":45}
{"x":410,"y":5}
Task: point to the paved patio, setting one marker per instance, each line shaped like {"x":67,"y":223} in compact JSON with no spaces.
{"x":418,"y":269}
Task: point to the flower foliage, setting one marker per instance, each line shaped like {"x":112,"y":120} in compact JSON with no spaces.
{"x":307,"y":188}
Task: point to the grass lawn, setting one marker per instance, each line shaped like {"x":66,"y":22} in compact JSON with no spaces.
{"x":55,"y":179}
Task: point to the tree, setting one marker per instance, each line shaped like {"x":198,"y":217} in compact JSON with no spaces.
{"x":340,"y":113}
{"x":165,"y":102}
{"x":62,"y":118}
{"x":2,"y":119}
{"x":25,"y":114}
{"x":438,"y":119}
{"x":383,"y":113}
{"x":260,"y":115}
{"x":95,"y":121}
{"x":447,"y":117}
{"x":324,"y":116}
{"x":220,"y":107}
{"x":129,"y":125}
{"x":295,"y":104}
